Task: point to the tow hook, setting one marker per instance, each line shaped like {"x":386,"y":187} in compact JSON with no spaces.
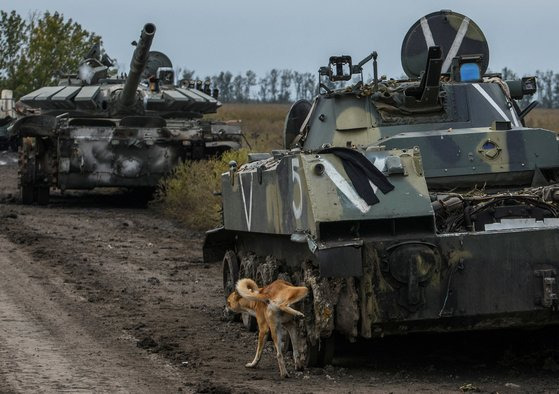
{"x":549,"y":282}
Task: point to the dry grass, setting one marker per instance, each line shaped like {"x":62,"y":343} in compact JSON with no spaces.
{"x":544,"y":118}
{"x":188,"y":194}
{"x":262,"y":124}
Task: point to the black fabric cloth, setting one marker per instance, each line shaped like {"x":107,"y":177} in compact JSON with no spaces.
{"x":360,"y":171}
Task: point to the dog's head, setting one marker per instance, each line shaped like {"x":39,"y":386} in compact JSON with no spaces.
{"x":234,"y":302}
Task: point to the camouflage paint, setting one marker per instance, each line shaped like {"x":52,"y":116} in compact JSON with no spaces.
{"x":285,"y":194}
{"x":453,"y":152}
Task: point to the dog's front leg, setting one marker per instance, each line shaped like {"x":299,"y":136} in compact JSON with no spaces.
{"x":277,"y":337}
{"x":262,"y":335}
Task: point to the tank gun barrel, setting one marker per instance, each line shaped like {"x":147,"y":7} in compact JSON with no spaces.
{"x":137,"y":65}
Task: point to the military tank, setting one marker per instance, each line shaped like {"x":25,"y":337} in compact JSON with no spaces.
{"x":99,"y":130}
{"x":414,"y":205}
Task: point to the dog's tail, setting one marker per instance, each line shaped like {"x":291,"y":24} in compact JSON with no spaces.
{"x":247,"y":288}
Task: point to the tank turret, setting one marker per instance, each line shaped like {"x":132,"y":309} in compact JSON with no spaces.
{"x":150,"y":89}
{"x":128,"y":98}
{"x":97,"y":129}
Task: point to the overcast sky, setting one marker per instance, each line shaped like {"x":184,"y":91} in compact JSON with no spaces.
{"x":214,"y":35}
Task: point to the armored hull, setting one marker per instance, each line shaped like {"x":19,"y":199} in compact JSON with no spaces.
{"x":85,"y":153}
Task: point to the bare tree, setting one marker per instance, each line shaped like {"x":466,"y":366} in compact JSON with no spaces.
{"x":238,"y":88}
{"x":285,"y":86}
{"x":250,"y":81}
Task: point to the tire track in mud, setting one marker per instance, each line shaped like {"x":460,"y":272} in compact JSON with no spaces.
{"x":157,"y":302}
{"x":43,"y":348}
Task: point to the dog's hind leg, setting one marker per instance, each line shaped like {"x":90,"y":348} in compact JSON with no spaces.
{"x":291,"y":328}
{"x":262,"y":335}
{"x":287,"y":309}
{"x":277,"y":337}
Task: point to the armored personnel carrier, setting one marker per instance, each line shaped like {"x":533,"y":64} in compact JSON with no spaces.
{"x":404,"y":206}
{"x":95,"y":130}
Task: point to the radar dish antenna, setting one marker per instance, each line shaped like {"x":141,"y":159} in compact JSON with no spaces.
{"x":294,"y":120}
{"x":454,"y":33}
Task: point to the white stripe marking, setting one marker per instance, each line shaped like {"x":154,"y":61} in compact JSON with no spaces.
{"x":297,"y":208}
{"x":427,"y":32}
{"x":514,"y":118}
{"x":456,"y":44}
{"x":490,"y":101}
{"x":375,"y":188}
{"x":380,"y":163}
{"x":347,"y":189}
{"x":248,"y":215}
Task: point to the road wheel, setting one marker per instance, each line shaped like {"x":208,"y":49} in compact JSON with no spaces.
{"x":230,"y":276}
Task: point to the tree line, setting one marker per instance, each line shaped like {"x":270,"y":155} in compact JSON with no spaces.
{"x":276,"y":86}
{"x":284,"y":86}
{"x":35,"y":51}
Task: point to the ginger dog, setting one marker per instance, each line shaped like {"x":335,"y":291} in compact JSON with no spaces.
{"x":271,"y":306}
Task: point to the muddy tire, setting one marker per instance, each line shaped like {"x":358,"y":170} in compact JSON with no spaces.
{"x":230,"y":272}
{"x":249,"y":322}
{"x":26,"y":163}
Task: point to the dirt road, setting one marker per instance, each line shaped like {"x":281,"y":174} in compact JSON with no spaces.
{"x":99,"y":297}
